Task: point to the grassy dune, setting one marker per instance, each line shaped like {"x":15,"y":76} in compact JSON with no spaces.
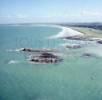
{"x":89,"y":32}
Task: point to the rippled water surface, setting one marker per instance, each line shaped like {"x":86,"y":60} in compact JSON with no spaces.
{"x":76,"y":78}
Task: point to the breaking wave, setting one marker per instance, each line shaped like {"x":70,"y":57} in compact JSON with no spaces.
{"x":14,"y":50}
{"x":13,"y":62}
{"x":66,"y":32}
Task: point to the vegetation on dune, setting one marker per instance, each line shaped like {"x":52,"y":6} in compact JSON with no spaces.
{"x":89,"y":32}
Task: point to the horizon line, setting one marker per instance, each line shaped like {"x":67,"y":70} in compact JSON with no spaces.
{"x":49,"y":22}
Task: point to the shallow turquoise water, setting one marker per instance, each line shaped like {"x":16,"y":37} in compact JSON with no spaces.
{"x":76,"y":78}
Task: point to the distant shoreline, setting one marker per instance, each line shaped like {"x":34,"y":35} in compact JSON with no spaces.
{"x":89,"y":32}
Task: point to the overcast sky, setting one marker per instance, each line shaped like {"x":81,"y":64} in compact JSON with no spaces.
{"x":18,"y":11}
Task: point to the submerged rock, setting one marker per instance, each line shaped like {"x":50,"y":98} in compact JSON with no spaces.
{"x":99,"y":41}
{"x":80,"y":38}
{"x":75,"y":38}
{"x":73,"y":46}
{"x":87,"y":55}
{"x":38,"y":50}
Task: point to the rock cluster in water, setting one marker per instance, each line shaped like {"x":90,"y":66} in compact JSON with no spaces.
{"x":43,"y":56}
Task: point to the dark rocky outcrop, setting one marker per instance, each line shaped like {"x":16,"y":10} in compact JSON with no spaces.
{"x":45,"y":58}
{"x":99,"y":41}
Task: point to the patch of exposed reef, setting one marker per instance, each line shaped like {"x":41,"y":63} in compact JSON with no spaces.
{"x":43,"y":56}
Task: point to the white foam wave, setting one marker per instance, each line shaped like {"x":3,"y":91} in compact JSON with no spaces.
{"x":14,"y":50}
{"x":13,"y":62}
{"x":69,"y":44}
{"x":66,"y":32}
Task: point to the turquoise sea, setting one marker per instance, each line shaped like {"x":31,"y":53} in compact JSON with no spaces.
{"x":75,"y":78}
